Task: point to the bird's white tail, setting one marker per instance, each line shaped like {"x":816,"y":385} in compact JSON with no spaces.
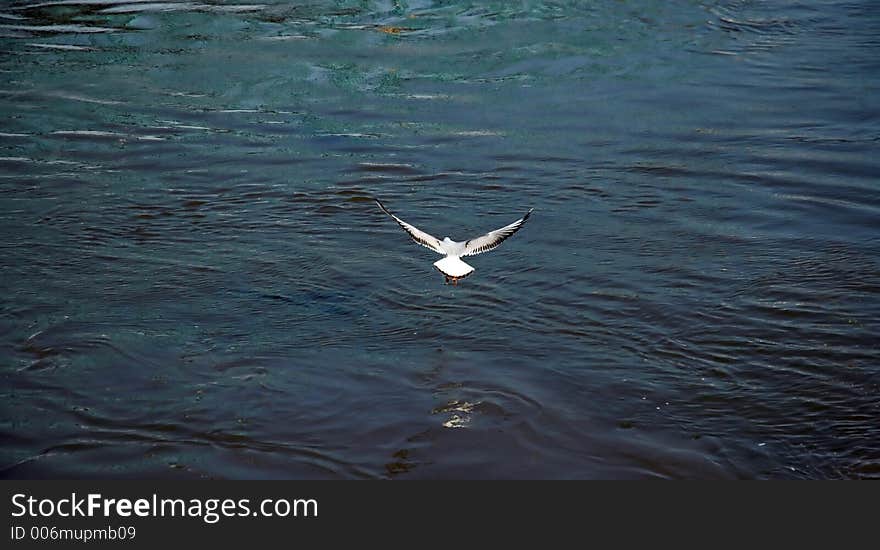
{"x":452,"y":266}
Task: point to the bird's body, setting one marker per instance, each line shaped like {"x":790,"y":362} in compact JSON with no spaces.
{"x":452,"y":265}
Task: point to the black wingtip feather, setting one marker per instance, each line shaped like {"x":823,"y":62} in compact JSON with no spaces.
{"x":382,"y":206}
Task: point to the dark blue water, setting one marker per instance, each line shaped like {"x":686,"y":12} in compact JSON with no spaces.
{"x":195,"y":281}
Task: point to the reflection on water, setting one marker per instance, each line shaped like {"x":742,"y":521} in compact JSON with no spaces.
{"x":196,"y":282}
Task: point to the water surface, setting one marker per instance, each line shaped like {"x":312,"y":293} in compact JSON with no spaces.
{"x":196,"y":283}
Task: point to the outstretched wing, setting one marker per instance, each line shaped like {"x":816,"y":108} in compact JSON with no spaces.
{"x":417,"y":234}
{"x":492,"y":239}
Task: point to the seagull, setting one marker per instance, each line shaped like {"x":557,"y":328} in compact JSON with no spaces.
{"x":451,"y":266}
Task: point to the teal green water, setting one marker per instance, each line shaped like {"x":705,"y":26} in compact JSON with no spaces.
{"x":196,"y":283}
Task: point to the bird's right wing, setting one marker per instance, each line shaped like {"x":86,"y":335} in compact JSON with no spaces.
{"x":493,"y":239}
{"x":417,"y":234}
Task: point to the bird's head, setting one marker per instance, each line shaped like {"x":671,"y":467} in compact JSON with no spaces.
{"x":447,"y":240}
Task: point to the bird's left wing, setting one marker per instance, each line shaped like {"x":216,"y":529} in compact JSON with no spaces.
{"x":417,"y":234}
{"x":492,"y":239}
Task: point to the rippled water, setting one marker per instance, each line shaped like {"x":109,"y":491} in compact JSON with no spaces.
{"x":196,"y":283}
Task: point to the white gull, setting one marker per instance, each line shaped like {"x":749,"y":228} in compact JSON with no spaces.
{"x":451,"y":265}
